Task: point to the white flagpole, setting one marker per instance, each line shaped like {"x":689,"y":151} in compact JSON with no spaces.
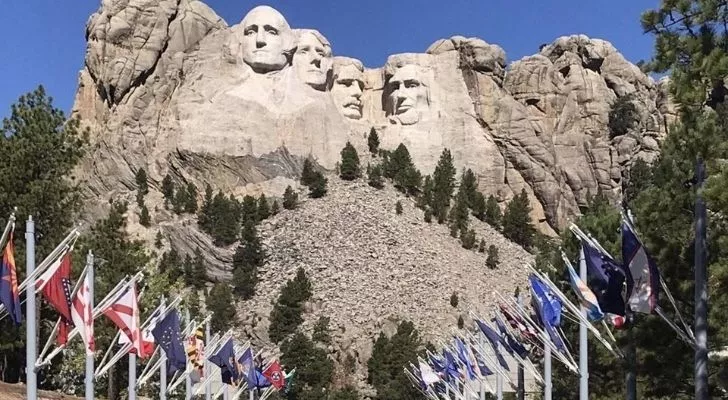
{"x":547,"y":369}
{"x":30,"y":338}
{"x":90,"y":357}
{"x":583,"y":341}
{"x":188,"y":378}
{"x":162,"y":368}
{"x":208,"y":394}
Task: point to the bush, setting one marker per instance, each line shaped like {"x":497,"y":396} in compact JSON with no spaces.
{"x":467,"y":239}
{"x":375,"y":177}
{"x":622,"y":116}
{"x":290,"y":198}
{"x":454,"y":300}
{"x":492,"y":260}
{"x":317,"y":188}
{"x":398,"y":207}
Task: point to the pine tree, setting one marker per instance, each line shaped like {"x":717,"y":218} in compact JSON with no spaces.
{"x":245,"y":274}
{"x":142,"y":187}
{"x":321,"y":333}
{"x":199,"y":270}
{"x":373,"y":142}
{"x":190,"y":205}
{"x":219,"y":302}
{"x":443,"y":184}
{"x":350,"y":168}
{"x":517,"y":221}
{"x":469,"y":185}
{"x":263,"y":208}
{"x":314,"y":369}
{"x":290,"y":199}
{"x":171,"y":264}
{"x":479,"y":206}
{"x":481,"y":247}
{"x":492,"y":260}
{"x":275,"y":208}
{"x":180,"y":201}
{"x":168,"y":190}
{"x":640,"y":176}
{"x":493,"y":213}
{"x":454,"y":300}
{"x":308,"y":173}
{"x":158,"y":240}
{"x":287,"y":312}
{"x":459,"y":214}
{"x":461,"y":322}
{"x":428,"y":215}
{"x":398,"y":207}
{"x":467,"y":239}
{"x":144,"y":218}
{"x":220,"y":219}
{"x":249,"y":211}
{"x":384,"y":367}
{"x":375,"y":177}
{"x":317,"y":188}
{"x":425,"y":198}
{"x":188,"y":267}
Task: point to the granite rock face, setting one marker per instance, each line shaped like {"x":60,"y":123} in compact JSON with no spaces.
{"x":170,"y":87}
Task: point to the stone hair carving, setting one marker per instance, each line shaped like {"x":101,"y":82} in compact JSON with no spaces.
{"x":267,"y":40}
{"x":312,"y":60}
{"x":348,"y":86}
{"x":406,"y":96}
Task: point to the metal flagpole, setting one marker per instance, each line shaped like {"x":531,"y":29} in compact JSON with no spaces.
{"x":521,"y":376}
{"x":208,"y":394}
{"x":547,"y":369}
{"x":132,"y":376}
{"x":90,"y":357}
{"x":583,"y":343}
{"x":701,"y":290}
{"x":30,"y":338}
{"x":188,"y":378}
{"x":631,"y":359}
{"x":162,"y":368}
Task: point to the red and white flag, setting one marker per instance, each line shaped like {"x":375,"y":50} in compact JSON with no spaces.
{"x":55,"y":284}
{"x":82,"y":315}
{"x":275,"y":375}
{"x":124,"y":313}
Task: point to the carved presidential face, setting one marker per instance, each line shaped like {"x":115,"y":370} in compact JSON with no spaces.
{"x":312,"y":60}
{"x":408,"y":95}
{"x":267,"y":39}
{"x":347,"y":90}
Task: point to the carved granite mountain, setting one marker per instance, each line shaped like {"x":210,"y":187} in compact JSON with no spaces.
{"x":168,"y":86}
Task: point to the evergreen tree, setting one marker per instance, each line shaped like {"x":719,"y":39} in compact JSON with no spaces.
{"x":425,"y":198}
{"x":245,"y":277}
{"x":467,"y":239}
{"x":199,"y":270}
{"x":317,"y":188}
{"x":375,"y":177}
{"x":443,"y":184}
{"x":275,"y":208}
{"x":492,"y":260}
{"x":398,"y":207}
{"x":249,"y":211}
{"x":168,"y":190}
{"x":373,"y":142}
{"x":144,"y":218}
{"x":469,"y":185}
{"x":190,"y":205}
{"x":290,"y":199}
{"x":459,"y":213}
{"x":493,"y":213}
{"x":385,"y":364}
{"x":640,"y":176}
{"x":479,"y":206}
{"x":221,"y":219}
{"x":263,"y":208}
{"x":623,"y":115}
{"x":142,"y":186}
{"x":350,"y":168}
{"x":314,"y":369}
{"x":428,"y":215}
{"x":461,"y":322}
{"x":188,"y":267}
{"x":204,"y":212}
{"x":454,"y":300}
{"x":180,"y":201}
{"x":158,"y":240}
{"x":517,"y":221}
{"x":321,"y":333}
{"x":481,"y":247}
{"x":171,"y":264}
{"x":287,"y":312}
{"x":308,"y":176}
{"x":220,"y":303}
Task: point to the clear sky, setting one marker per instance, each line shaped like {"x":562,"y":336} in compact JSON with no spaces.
{"x":43,"y":40}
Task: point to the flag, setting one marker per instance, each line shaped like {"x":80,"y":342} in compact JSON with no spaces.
{"x":275,"y":375}
{"x":124,"y":313}
{"x":225,"y":359}
{"x":289,"y":381}
{"x":494,"y":340}
{"x":586,"y":297}
{"x":196,"y":354}
{"x":510,"y":343}
{"x":463,"y":356}
{"x":451,"y":367}
{"x":82,"y":315}
{"x":526,"y":331}
{"x":548,"y":310}
{"x":429,"y":377}
{"x":167,"y":334}
{"x":606,"y":279}
{"x":9,"y":295}
{"x":482,"y":366}
{"x":642,"y":268}
{"x":247,"y":367}
{"x":56,"y":286}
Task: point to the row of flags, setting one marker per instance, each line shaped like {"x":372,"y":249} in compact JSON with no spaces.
{"x":611,"y":291}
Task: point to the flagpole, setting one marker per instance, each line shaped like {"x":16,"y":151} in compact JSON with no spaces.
{"x":30,"y":338}
{"x":208,"y":394}
{"x":188,"y":378}
{"x":162,"y":370}
{"x":701,"y":290}
{"x":583,"y":341}
{"x":547,"y":369}
{"x":90,"y":357}
{"x":132,"y":375}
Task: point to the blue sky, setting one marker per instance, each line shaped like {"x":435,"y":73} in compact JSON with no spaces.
{"x":43,"y":40}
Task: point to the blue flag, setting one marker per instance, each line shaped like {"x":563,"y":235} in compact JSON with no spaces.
{"x":494,"y":339}
{"x":167,"y":334}
{"x":606,"y":278}
{"x":463,"y":356}
{"x":510,"y":343}
{"x":225,"y":359}
{"x":451,"y":367}
{"x":247,"y":367}
{"x":643,"y":296}
{"x":548,"y":310}
{"x":482,"y":366}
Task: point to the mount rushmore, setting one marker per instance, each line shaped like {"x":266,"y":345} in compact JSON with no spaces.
{"x":169,"y":86}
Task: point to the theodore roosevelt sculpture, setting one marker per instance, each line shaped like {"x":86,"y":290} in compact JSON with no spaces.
{"x":312,"y":60}
{"x":348,"y":86}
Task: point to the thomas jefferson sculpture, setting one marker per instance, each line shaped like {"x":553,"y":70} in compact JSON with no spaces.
{"x":312,"y":60}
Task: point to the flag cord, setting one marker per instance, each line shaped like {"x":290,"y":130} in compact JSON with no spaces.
{"x":674,"y":327}
{"x":674,"y":306}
